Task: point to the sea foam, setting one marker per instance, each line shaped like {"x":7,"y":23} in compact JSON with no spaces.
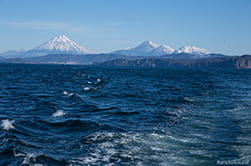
{"x":7,"y":124}
{"x":67,"y":93}
{"x":58,"y":113}
{"x":87,"y":88}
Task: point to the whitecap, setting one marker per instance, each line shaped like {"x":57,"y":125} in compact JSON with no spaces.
{"x":28,"y":158}
{"x":7,"y":124}
{"x":67,"y":93}
{"x":98,"y":79}
{"x":87,"y":88}
{"x":189,"y":99}
{"x":106,"y":150}
{"x":19,"y":154}
{"x":58,"y":113}
{"x":89,"y":82}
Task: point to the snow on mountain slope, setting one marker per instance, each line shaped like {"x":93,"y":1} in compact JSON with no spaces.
{"x":192,"y":50}
{"x":148,"y":48}
{"x":57,"y":45}
{"x":141,"y":50}
{"x":161,"y":50}
{"x":62,"y":44}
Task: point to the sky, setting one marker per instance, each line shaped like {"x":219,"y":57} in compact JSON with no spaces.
{"x":220,"y":26}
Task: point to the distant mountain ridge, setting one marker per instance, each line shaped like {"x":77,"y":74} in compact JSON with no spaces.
{"x":87,"y":59}
{"x":61,"y":50}
{"x":63,"y":45}
{"x":237,"y":62}
{"x":149,"y":48}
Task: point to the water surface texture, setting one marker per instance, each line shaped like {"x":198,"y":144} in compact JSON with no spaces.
{"x":79,"y":115}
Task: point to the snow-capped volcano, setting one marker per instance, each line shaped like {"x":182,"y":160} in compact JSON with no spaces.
{"x":141,"y":50}
{"x":57,"y":45}
{"x":148,"y":48}
{"x":62,"y":44}
{"x":192,"y":50}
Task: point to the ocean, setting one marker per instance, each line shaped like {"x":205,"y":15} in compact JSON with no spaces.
{"x":56,"y":115}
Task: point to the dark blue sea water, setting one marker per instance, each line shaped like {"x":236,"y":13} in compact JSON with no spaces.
{"x":79,"y":115}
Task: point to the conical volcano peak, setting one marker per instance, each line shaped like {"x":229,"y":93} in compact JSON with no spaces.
{"x":149,"y":43}
{"x":60,"y":39}
{"x":57,"y":45}
{"x":63,"y":44}
{"x":140,"y":50}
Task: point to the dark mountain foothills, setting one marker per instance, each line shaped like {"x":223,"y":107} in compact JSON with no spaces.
{"x":165,"y":61}
{"x":236,"y":62}
{"x":87,"y":59}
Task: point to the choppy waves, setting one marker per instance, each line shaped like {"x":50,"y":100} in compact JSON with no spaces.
{"x":73,"y":115}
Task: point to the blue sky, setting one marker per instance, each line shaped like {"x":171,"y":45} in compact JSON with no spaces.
{"x":104,"y":25}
